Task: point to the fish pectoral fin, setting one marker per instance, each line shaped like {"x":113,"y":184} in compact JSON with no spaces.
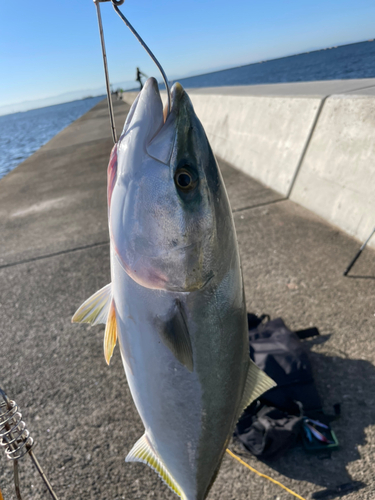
{"x":110,"y":335}
{"x":100,"y":309}
{"x":144,"y":452}
{"x":95,"y":309}
{"x":257,"y":382}
{"x":175,"y":335}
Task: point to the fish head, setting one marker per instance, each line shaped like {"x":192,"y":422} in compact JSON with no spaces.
{"x":167,"y":201}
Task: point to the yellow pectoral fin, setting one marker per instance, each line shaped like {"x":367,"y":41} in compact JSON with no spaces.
{"x":95,"y":309}
{"x":110,"y":335}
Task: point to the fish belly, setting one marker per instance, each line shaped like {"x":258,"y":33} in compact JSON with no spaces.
{"x":188,"y":414}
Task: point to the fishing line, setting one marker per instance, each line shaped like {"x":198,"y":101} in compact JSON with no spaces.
{"x":264,"y":475}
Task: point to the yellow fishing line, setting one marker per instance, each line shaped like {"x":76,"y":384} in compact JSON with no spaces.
{"x":263,"y":475}
{"x":1,"y":496}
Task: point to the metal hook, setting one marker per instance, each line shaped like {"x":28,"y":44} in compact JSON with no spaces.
{"x":115,"y":4}
{"x":147,"y":49}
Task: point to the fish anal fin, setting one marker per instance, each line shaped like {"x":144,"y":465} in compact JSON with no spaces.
{"x":110,"y":335}
{"x":95,"y":309}
{"x":257,"y":382}
{"x":175,"y":335}
{"x":144,"y":452}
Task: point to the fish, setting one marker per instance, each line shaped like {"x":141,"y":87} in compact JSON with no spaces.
{"x":176,"y":301}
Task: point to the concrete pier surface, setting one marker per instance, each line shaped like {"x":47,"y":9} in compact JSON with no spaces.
{"x":55,"y":254}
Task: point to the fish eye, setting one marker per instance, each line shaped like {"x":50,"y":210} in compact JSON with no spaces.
{"x":184,"y":179}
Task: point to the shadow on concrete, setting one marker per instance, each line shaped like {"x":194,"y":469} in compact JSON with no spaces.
{"x":349,"y":382}
{"x":353,"y":276}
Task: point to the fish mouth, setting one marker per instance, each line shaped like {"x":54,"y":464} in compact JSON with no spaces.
{"x":160,"y":136}
{"x":161,"y":132}
{"x":176,"y":94}
{"x":147,"y":103}
{"x":162,"y":143}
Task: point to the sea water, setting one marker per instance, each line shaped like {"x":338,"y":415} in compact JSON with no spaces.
{"x":21,"y":134}
{"x":335,"y":63}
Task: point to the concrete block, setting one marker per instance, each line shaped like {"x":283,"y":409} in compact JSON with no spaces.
{"x":365,"y":86}
{"x":129,"y":97}
{"x":262,"y":136}
{"x":337,"y":177}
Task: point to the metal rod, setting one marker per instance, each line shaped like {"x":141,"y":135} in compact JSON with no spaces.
{"x":109,"y":97}
{"x":16,"y":480}
{"x":116,"y":2}
{"x":358,"y":254}
{"x":40,"y":470}
{"x":140,"y":40}
{"x":17,"y":438}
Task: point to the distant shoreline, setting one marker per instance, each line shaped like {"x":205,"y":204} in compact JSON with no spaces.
{"x":52,"y":105}
{"x":274,"y":59}
{"x":186,"y":80}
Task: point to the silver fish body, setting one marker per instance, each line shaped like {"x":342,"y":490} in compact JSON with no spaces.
{"x":176,"y":293}
{"x":188,"y":412}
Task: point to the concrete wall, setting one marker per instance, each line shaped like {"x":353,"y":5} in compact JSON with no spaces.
{"x":259,"y":135}
{"x":313,"y":142}
{"x":337,"y":176}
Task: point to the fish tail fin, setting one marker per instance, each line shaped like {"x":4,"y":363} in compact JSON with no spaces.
{"x":144,"y":452}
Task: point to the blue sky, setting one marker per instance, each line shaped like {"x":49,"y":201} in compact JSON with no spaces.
{"x":50,"y":48}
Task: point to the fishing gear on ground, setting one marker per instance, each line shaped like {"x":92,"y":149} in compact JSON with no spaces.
{"x":17,"y":442}
{"x":292,"y":411}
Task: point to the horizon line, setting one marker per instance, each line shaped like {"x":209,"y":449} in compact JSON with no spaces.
{"x":102,"y":91}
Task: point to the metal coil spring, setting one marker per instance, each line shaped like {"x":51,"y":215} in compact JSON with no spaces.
{"x":14,"y":436}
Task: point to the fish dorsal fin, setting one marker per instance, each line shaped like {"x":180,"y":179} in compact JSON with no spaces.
{"x":95,"y":309}
{"x":257,"y":382}
{"x":110,"y":335}
{"x":175,"y":335}
{"x":144,"y":452}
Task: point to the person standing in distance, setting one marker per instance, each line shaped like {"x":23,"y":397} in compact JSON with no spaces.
{"x":139,"y":77}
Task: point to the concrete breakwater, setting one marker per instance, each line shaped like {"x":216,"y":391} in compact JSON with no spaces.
{"x":54,"y":254}
{"x":313,"y":142}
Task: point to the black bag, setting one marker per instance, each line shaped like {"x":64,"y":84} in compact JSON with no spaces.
{"x":279,"y":353}
{"x":270,"y":425}
{"x":268,"y":432}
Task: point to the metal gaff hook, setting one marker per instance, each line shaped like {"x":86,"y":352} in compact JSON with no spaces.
{"x":147,"y":49}
{"x":115,"y":4}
